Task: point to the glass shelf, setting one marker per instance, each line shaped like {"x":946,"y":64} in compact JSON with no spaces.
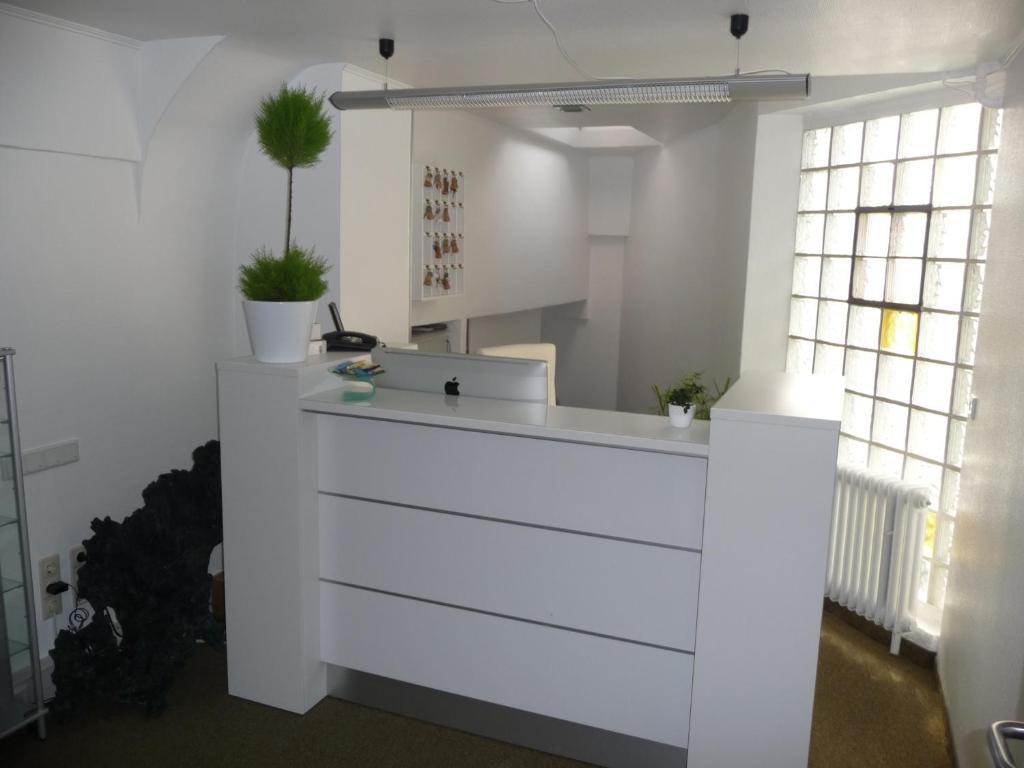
{"x":7,"y":585}
{"x":14,"y":647}
{"x":8,"y":507}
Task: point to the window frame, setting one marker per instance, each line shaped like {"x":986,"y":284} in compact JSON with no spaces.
{"x":961,"y":366}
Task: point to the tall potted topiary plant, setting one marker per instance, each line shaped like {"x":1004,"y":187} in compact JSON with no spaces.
{"x":281,"y":293}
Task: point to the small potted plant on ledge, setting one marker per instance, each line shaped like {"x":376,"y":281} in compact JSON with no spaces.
{"x":281,"y":293}
{"x":680,"y":400}
{"x":688,"y":399}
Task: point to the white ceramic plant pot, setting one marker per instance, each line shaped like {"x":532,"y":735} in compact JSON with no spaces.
{"x":279,"y":330}
{"x":679,"y":417}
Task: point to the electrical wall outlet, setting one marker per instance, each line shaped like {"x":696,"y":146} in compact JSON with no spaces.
{"x":49,"y":573}
{"x":76,"y":559}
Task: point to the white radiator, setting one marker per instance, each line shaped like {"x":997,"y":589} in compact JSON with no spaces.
{"x":874,"y":556}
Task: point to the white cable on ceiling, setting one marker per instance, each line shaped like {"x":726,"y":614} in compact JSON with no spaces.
{"x":977,"y":84}
{"x":558,"y":39}
{"x":535,"y":4}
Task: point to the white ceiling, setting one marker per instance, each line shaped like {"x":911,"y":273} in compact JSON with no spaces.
{"x":453,"y":42}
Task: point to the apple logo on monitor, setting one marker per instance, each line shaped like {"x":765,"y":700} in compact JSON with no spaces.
{"x":452,"y":387}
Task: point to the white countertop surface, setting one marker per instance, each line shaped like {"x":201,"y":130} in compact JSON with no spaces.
{"x":766,"y":397}
{"x":793,"y":399}
{"x":312,"y":364}
{"x":511,"y":417}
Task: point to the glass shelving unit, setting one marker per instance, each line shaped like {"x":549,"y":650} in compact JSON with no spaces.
{"x":21,"y":682}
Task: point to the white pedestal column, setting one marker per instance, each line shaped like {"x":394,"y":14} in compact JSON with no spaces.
{"x":771,"y":474}
{"x":272,"y":588}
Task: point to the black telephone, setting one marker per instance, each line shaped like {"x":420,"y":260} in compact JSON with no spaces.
{"x":348,"y":341}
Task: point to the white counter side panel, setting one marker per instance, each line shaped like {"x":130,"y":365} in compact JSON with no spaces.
{"x":770,"y":484}
{"x":768,"y":397}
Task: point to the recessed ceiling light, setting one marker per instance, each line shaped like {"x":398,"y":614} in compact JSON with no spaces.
{"x":599,"y":136}
{"x":573,"y":108}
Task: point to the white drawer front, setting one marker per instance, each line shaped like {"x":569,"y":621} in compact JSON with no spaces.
{"x":617,"y":492}
{"x":633,"y":591}
{"x":622,"y":687}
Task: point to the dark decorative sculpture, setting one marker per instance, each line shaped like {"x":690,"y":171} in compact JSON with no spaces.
{"x":146,"y":580}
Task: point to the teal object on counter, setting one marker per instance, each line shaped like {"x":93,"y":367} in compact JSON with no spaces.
{"x":358,"y":389}
{"x":359,"y":385}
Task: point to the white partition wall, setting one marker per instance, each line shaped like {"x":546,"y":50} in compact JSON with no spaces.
{"x":271,"y":580}
{"x":774,"y":439}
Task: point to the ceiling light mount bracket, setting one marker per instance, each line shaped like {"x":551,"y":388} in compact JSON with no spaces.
{"x":386,"y":48}
{"x":577,"y":97}
{"x":738,"y":24}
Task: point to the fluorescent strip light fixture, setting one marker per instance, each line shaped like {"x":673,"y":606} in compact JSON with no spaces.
{"x":705,"y":90}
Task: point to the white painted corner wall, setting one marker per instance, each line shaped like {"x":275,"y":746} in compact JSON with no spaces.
{"x":118,"y":309}
{"x":508,"y":328}
{"x":526,"y":213}
{"x":981,"y":650}
{"x":587,"y":334}
{"x":116,"y":88}
{"x":375,"y":193}
{"x":50,"y":69}
{"x":686,"y":258}
{"x":776,"y":185}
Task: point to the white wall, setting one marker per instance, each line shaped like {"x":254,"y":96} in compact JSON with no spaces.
{"x":375,"y":195}
{"x":683,"y":281}
{"x":511,"y":328}
{"x":526,"y":209}
{"x":118,"y":313}
{"x":772,"y":232}
{"x":737,"y":141}
{"x":610,"y":195}
{"x":50,"y":69}
{"x":981,"y":651}
{"x":587,"y":334}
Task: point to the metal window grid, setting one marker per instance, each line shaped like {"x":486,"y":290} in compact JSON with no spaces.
{"x":933,"y":567}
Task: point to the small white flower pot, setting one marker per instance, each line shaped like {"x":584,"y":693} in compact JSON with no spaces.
{"x":680,"y":417}
{"x":279,"y":330}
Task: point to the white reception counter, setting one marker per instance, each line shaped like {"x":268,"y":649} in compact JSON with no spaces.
{"x":592,"y":583}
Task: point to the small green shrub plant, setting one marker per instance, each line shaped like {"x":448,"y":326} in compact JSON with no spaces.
{"x":690,"y":391}
{"x":296,"y":276}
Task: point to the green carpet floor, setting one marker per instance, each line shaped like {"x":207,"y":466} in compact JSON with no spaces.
{"x":870,"y":710}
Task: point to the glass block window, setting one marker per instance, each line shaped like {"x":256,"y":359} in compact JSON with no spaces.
{"x":891,"y":240}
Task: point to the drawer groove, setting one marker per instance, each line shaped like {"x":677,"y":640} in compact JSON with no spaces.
{"x":610,"y":588}
{"x":622,"y":687}
{"x":503,"y":521}
{"x":497,"y":615}
{"x":568,"y":486}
